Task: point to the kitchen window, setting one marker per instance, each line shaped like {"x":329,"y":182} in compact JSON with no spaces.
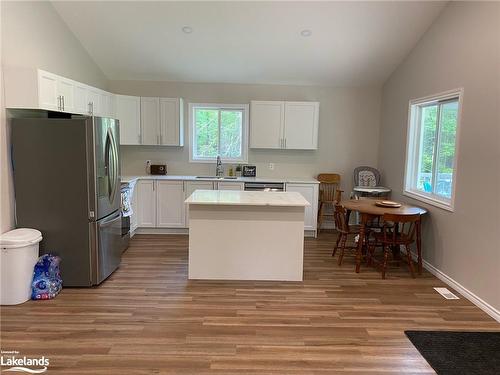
{"x":431,"y":152}
{"x":218,"y":129}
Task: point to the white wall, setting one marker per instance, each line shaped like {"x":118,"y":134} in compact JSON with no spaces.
{"x":348,"y":129}
{"x":33,"y":35}
{"x":461,"y":49}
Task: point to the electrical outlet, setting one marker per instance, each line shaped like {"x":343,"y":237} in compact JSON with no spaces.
{"x":148,"y":165}
{"x":271,"y":166}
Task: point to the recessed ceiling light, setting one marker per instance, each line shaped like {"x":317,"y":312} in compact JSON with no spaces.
{"x":306,"y":32}
{"x":187,"y":29}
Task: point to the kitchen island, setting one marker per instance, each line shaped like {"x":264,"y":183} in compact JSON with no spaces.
{"x":246,"y":235}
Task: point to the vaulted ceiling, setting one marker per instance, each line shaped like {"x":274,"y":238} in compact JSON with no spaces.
{"x":350,"y":43}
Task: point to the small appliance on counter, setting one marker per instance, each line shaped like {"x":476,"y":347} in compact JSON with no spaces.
{"x":249,"y":171}
{"x":158,"y":169}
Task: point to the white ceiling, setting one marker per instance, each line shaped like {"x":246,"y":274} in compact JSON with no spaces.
{"x":352,"y":43}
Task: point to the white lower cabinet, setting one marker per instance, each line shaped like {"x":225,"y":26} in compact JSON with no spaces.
{"x":191,"y":186}
{"x":146,"y":203}
{"x":170,"y":204}
{"x":310,"y":193}
{"x":227,"y":185}
{"x":160,"y":203}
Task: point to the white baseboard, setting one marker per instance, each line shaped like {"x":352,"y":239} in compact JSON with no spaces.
{"x":162,"y":231}
{"x":310,"y":233}
{"x":483,"y":305}
{"x":307,"y":232}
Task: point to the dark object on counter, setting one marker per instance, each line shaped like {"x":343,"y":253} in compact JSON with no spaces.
{"x":159,"y":169}
{"x":249,"y":171}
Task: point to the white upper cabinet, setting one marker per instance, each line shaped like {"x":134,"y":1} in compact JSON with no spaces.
{"x":146,"y":120}
{"x":48,"y":96}
{"x":81,"y":104}
{"x":150,"y":120}
{"x":170,"y":204}
{"x":284,"y":125}
{"x":162,"y":121}
{"x":38,"y":89}
{"x":171,"y":122}
{"x":128,"y":112}
{"x":66,"y":91}
{"x":107,"y":104}
{"x":266,"y":124}
{"x":301,"y":125}
{"x":94,"y":101}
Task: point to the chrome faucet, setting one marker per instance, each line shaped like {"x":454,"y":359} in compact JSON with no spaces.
{"x":219,"y":171}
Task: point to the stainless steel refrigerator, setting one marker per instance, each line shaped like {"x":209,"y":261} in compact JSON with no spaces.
{"x":67,"y":185}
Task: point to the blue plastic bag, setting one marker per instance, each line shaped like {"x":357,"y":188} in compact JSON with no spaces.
{"x":47,"y":282}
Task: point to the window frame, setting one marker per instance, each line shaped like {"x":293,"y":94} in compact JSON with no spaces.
{"x":413,"y":140}
{"x":244,"y":108}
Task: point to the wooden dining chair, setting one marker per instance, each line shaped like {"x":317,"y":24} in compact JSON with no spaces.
{"x":328,"y":186}
{"x":344,"y":231}
{"x":396,"y":230}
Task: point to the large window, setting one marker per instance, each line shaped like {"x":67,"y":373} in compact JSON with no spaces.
{"x":431,"y":153}
{"x":218,"y":129}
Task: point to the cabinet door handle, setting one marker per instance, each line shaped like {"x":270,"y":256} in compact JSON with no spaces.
{"x":62,"y":97}
{"x":59,"y":102}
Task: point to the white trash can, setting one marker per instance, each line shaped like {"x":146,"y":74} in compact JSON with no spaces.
{"x":19,"y":255}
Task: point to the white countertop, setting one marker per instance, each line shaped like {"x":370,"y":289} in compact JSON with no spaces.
{"x":247,"y":198}
{"x":297,"y":180}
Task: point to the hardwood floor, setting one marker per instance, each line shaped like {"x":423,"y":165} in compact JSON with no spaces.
{"x":147,"y":318}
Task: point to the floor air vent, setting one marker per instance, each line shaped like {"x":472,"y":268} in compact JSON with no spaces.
{"x":446,"y":293}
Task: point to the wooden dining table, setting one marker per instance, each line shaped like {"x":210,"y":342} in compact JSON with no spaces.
{"x":369,"y":210}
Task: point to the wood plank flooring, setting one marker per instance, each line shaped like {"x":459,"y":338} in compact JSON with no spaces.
{"x":147,"y":318}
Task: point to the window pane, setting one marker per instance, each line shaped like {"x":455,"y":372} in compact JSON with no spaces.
{"x":427,"y":142}
{"x":446,"y":148}
{"x":206,"y":133}
{"x":231,"y":134}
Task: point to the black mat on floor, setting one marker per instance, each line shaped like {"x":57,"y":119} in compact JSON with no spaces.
{"x":457,"y":353}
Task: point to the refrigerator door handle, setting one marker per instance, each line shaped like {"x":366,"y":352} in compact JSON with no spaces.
{"x":111,"y":164}
{"x":110,"y":220}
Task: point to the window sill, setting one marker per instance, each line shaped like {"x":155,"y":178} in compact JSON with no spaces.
{"x":444,"y":205}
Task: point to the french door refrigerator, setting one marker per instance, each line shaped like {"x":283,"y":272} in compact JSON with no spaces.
{"x":67,"y":185}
